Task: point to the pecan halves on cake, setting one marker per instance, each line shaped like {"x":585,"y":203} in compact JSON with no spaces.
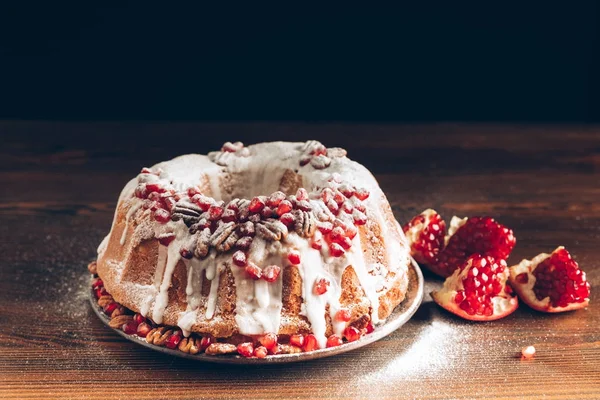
{"x":271,"y":230}
{"x":104,"y":300}
{"x":228,"y":243}
{"x":189,"y":345}
{"x":93,"y":267}
{"x":221,"y":348}
{"x":203,"y":243}
{"x":288,"y":349}
{"x":335,"y":152}
{"x":158,"y":336}
{"x":118,"y":321}
{"x":224,"y":230}
{"x":189,"y":213}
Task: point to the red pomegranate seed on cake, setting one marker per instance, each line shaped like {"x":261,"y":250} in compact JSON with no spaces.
{"x":185,"y":253}
{"x":318,"y":150}
{"x":336,"y":250}
{"x":215,"y":212}
{"x":100,"y":292}
{"x":239,"y":258}
{"x":284,"y":207}
{"x":165,"y":240}
{"x":143,"y":329}
{"x":140,"y":192}
{"x":346,"y":190}
{"x":162,"y":216}
{"x":205,"y":342}
{"x":337,"y":234}
{"x":310,"y":343}
{"x":321,"y":286}
{"x":271,"y":273}
{"x":316,"y":244}
{"x":370,"y":328}
{"x":287,"y":219}
{"x":294,"y":257}
{"x":256,"y":205}
{"x":338,"y":197}
{"x":229,"y":215}
{"x":269,"y":340}
{"x":229,"y":147}
{"x":304,"y":160}
{"x":246,"y":349}
{"x":267,"y":212}
{"x":110,"y":307}
{"x":334,"y":340}
{"x":275,"y":199}
{"x":154,"y":187}
{"x":343,"y":315}
{"x":192,"y":191}
{"x":359,"y":217}
{"x":351,"y":334}
{"x":202,"y":201}
{"x":138,"y":318}
{"x":146,"y":171}
{"x":173,"y":340}
{"x":361,"y":194}
{"x":347,"y":207}
{"x":326,"y":195}
{"x":96,"y":283}
{"x":253,"y":271}
{"x":301,"y":194}
{"x":297,"y":340}
{"x":333,"y":206}
{"x":130,"y":328}
{"x":260,"y":352}
{"x":244,"y":243}
{"x":325,"y":227}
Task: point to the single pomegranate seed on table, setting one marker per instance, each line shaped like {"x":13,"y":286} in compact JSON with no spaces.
{"x":343,"y":315}
{"x":321,"y":286}
{"x":269,"y":340}
{"x":143,"y":329}
{"x":528,"y":352}
{"x":294,"y":257}
{"x":130,"y":327}
{"x":284,"y":207}
{"x":271,"y":273}
{"x":287,"y":219}
{"x":253,"y":271}
{"x":260,"y":352}
{"x":162,"y":216}
{"x":297,"y":340}
{"x":246,"y":349}
{"x":239,"y":258}
{"x":334,"y":340}
{"x":310,"y":343}
{"x":256,"y":205}
{"x":173,"y":340}
{"x":351,"y":334}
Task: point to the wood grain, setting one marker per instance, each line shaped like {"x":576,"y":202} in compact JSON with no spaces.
{"x":60,"y":184}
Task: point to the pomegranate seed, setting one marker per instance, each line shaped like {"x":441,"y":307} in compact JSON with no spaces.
{"x":275,"y":199}
{"x":185,"y":253}
{"x":301,"y":194}
{"x":333,"y":206}
{"x":253,"y":271}
{"x":229,"y":147}
{"x":351,"y":334}
{"x":318,"y":150}
{"x":154,"y":187}
{"x":246,"y":229}
{"x":346,"y":190}
{"x":325,"y":227}
{"x":110,"y":307}
{"x":260,"y":352}
{"x":327,"y":195}
{"x":347,"y":207}
{"x":173,"y":340}
{"x":269,"y":340}
{"x":246,"y":349}
{"x":359,"y":217}
{"x":528,"y":352}
{"x":361,"y":194}
{"x":138,"y":318}
{"x":146,"y":171}
{"x":205,"y":342}
{"x":297,"y":340}
{"x":162,"y":216}
{"x":310,"y":343}
{"x":321,"y":285}
{"x":267,"y":212}
{"x":284,"y":207}
{"x":294,"y":257}
{"x":337,"y":234}
{"x":336,"y":250}
{"x":345,"y":243}
{"x":202,"y":201}
{"x":143,"y":329}
{"x":271,"y":273}
{"x":100,"y":292}
{"x":141,"y":192}
{"x":316,"y":244}
{"x":96,"y":283}
{"x":338,"y":197}
{"x":229,"y":215}
{"x":214,"y":213}
{"x":370,"y":327}
{"x":192,"y":191}
{"x":239,"y":258}
{"x":287,"y":219}
{"x":244,"y":243}
{"x":334,"y":340}
{"x":168,"y":203}
{"x":130,"y":328}
{"x":256,"y":205}
{"x":343,"y":315}
{"x":166,"y":239}
{"x":304,"y":160}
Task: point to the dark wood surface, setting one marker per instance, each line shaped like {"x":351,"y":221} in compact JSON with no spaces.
{"x":60,"y":181}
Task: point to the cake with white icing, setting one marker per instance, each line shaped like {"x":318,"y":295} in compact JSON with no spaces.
{"x":284,"y":238}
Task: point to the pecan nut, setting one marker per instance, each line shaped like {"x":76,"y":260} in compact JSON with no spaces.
{"x":220,"y":348}
{"x":203,"y":243}
{"x":118,"y":321}
{"x":289,"y":349}
{"x":103,"y":301}
{"x":158,"y":336}
{"x":189,"y":345}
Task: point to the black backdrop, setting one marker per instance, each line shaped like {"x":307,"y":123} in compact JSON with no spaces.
{"x":475,"y":61}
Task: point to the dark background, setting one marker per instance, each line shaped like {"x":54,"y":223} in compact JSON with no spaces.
{"x":438,"y":61}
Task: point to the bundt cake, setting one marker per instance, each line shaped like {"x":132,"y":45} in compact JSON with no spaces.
{"x":284,"y":238}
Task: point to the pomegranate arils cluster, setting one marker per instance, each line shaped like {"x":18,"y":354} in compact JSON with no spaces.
{"x":426,"y":233}
{"x":481,"y":285}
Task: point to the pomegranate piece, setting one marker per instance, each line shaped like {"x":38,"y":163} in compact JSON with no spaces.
{"x":166,"y":239}
{"x":162,"y":216}
{"x":336,"y":250}
{"x":359,"y":217}
{"x":474,"y":235}
{"x":284,"y":207}
{"x":275,"y":199}
{"x":425,"y":234}
{"x":246,"y":349}
{"x":253,"y":271}
{"x":294,"y":257}
{"x":215,"y":213}
{"x":352,"y":334}
{"x":334,"y":340}
{"x":321,"y":286}
{"x":343,"y":315}
{"x":260,"y":352}
{"x":297,"y":340}
{"x":256,"y":205}
{"x":138,"y":318}
{"x":361,"y":194}
{"x":310,"y":343}
{"x":205,"y":342}
{"x":301,"y":194}
{"x":268,"y":340}
{"x":270,"y":273}
{"x":130,"y":327}
{"x":325,"y":227}
{"x":551,"y":282}
{"x":477,"y":291}
{"x":143,"y":329}
{"x":239,"y":258}
{"x":100,"y":292}
{"x":287,"y":219}
{"x":346,"y":190}
{"x":327,"y":195}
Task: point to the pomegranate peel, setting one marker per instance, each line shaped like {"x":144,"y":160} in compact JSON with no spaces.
{"x":478,"y":291}
{"x":425,"y":234}
{"x":551,"y":283}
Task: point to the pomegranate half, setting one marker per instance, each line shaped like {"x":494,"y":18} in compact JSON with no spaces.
{"x":551,"y":282}
{"x":425,"y":234}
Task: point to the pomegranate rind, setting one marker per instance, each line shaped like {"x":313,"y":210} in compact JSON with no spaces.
{"x":525,"y":290}
{"x":415,"y":232}
{"x":502,"y":305}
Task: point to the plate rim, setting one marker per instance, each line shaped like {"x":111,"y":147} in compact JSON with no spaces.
{"x":393,"y":322}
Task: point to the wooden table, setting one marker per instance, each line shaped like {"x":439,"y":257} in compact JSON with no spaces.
{"x":60,"y":182}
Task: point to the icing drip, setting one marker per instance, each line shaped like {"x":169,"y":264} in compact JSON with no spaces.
{"x":162,"y":299}
{"x":134,"y":207}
